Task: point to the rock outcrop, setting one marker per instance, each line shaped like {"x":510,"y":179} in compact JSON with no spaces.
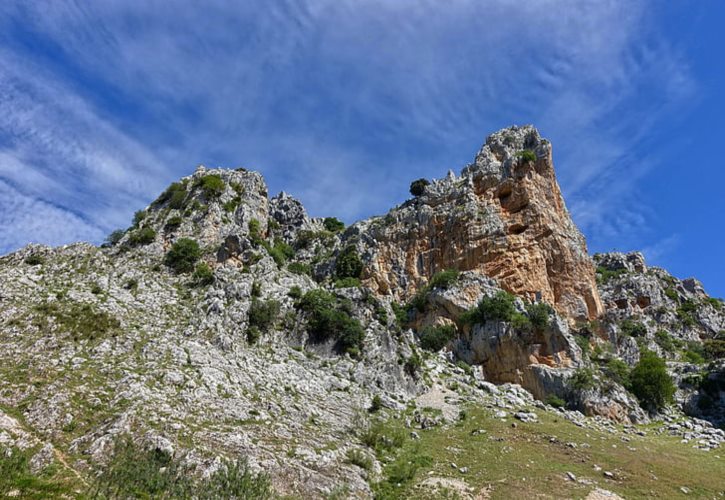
{"x":282,"y":334}
{"x":504,"y":217}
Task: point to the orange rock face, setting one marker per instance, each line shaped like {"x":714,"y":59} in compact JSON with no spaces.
{"x":504,"y":217}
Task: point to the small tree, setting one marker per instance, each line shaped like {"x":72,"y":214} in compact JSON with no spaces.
{"x":417,"y":187}
{"x":348,"y":264}
{"x":212,"y":185}
{"x":435,"y":338}
{"x":203,"y":275}
{"x":183,"y":255}
{"x":650,"y":381}
{"x":116,"y":236}
{"x":500,"y":307}
{"x":333,"y":224}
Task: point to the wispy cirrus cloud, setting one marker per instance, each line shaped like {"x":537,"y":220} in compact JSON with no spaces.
{"x":339,"y":103}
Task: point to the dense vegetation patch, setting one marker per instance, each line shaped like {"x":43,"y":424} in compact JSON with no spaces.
{"x":81,"y":321}
{"x":435,"y":338}
{"x":604,"y":274}
{"x":175,"y":195}
{"x":650,"y":382}
{"x":211,"y":185}
{"x":115,"y":237}
{"x":441,"y":280}
{"x":348,"y":263}
{"x":263,"y":313}
{"x":333,"y":224}
{"x":583,"y":379}
{"x":183,"y":255}
{"x":203,"y":275}
{"x":16,"y":477}
{"x":526,"y":156}
{"x":417,"y":187}
{"x":327,"y":318}
{"x":34,"y":259}
{"x":135,"y":472}
{"x":500,"y":307}
{"x":142,"y":236}
{"x":632,"y":328}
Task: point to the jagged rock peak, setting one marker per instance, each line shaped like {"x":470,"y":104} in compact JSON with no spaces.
{"x":504,"y":217}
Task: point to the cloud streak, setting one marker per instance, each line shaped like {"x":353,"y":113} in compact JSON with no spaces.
{"x":338,"y":103}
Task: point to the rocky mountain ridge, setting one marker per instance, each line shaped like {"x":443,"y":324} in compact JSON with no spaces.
{"x":225,"y":323}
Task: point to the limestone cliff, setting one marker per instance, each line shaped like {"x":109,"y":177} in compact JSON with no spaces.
{"x":504,"y":216}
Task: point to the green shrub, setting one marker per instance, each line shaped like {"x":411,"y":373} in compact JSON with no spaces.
{"x":235,"y":480}
{"x":376,"y":405}
{"x":347,"y":283}
{"x":173,"y":222}
{"x":211,"y":185}
{"x":136,"y":472}
{"x":231,"y":205}
{"x":671,"y":293}
{"x":694,"y":353}
{"x":520,"y":322}
{"x":305,"y":238}
{"x":444,"y":279}
{"x":116,"y":236}
{"x":16,"y":476}
{"x":359,"y":458}
{"x":34,"y":259}
{"x":500,"y":307}
{"x":555,"y":401}
{"x":255,"y":234}
{"x":631,"y":328}
{"x":714,"y":348}
{"x":142,"y":236}
{"x":299,"y":268}
{"x":401,"y":314}
{"x":203,"y":275}
{"x":280,"y":252}
{"x":295,"y":292}
{"x":465,"y":367}
{"x":650,"y":382}
{"x":253,"y":334}
{"x":333,"y":225}
{"x":686,"y":313}
{"x":618,"y":371}
{"x":583,"y":379}
{"x":348,"y":263}
{"x":715,"y":303}
{"x":183,"y":255}
{"x":604,"y":274}
{"x":138,"y":217}
{"x":665,"y":341}
{"x":539,"y":314}
{"x":263,"y":313}
{"x":80,"y":321}
{"x":327,"y":319}
{"x":435,"y":338}
{"x":417,"y":187}
{"x":96,"y":289}
{"x":583,"y":343}
{"x":175,"y":194}
{"x":526,"y":156}
{"x":413,"y":364}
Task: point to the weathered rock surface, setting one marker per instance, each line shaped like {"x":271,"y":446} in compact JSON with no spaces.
{"x":96,"y":343}
{"x":504,"y":217}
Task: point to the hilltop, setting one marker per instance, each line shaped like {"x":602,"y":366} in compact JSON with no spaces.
{"x":455,"y":343}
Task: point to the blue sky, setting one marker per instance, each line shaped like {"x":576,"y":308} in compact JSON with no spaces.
{"x":343,"y":103}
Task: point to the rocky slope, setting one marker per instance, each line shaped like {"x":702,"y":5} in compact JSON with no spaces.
{"x":226,"y":324}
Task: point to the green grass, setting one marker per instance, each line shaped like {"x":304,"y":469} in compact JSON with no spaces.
{"x":526,"y":462}
{"x":17,"y":481}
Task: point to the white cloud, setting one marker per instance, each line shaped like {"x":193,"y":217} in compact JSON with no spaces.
{"x":340,"y":103}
